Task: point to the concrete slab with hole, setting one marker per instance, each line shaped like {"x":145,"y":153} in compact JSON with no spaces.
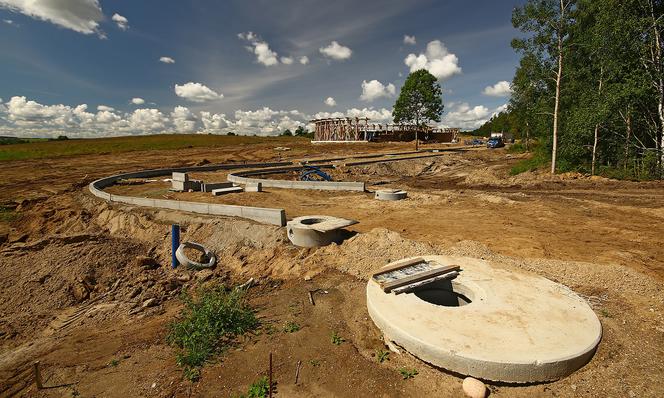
{"x":490,"y":323}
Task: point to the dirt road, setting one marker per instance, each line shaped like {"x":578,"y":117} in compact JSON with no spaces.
{"x":601,"y":238}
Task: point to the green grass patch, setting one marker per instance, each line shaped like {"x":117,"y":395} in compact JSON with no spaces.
{"x":538,"y":160}
{"x":382,"y":355}
{"x":336,"y":339}
{"x":7,"y":215}
{"x":37,"y":149}
{"x":517,"y":147}
{"x":408,"y":373}
{"x":291,"y":327}
{"x":207,"y":325}
{"x":259,"y":389}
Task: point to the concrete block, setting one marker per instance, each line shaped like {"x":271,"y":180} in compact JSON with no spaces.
{"x":184,"y":177}
{"x":254,"y":187}
{"x":208,"y":187}
{"x":178,"y":185}
{"x":223,"y":191}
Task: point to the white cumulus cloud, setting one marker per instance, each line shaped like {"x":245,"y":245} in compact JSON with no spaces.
{"x":167,"y":60}
{"x":409,"y":40}
{"x":374,"y":89}
{"x":104,"y":108}
{"x":304,"y":60}
{"x":501,"y":89}
{"x":137,"y":101}
{"x":196,"y":92}
{"x":336,"y":51}
{"x":183,"y":119}
{"x":286,"y":60}
{"x":121,"y":21}
{"x":260,"y":48}
{"x":329,"y":101}
{"x":436,"y":59}
{"x":468,"y":117}
{"x":81,"y":16}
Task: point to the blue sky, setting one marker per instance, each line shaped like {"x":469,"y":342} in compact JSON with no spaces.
{"x":74,"y":66}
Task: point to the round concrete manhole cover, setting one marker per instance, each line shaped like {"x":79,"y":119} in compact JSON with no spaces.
{"x":490,"y":323}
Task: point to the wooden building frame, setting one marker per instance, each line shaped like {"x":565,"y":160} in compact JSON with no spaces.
{"x":348,"y":129}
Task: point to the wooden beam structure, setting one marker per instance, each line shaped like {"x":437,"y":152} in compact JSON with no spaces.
{"x":348,"y":129}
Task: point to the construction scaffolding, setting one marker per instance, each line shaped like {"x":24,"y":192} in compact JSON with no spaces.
{"x":347,"y":129}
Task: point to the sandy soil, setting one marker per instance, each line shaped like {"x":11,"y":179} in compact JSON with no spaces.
{"x":73,"y":290}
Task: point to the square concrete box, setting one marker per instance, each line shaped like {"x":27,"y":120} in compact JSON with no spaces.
{"x":184,"y":177}
{"x":254,"y":187}
{"x":178,"y":185}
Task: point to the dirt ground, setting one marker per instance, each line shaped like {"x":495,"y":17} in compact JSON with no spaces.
{"x":75,"y":274}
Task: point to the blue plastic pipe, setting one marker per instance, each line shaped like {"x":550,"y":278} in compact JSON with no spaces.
{"x":175,"y":243}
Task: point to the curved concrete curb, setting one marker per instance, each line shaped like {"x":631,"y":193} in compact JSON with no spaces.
{"x":260,"y":214}
{"x":185,"y":261}
{"x":317,"y":231}
{"x":391,"y":194}
{"x":242,"y":177}
{"x":517,"y":328}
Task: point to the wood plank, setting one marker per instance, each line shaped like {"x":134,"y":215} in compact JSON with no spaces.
{"x":399,"y":265}
{"x":416,"y":285}
{"x":387,"y":287}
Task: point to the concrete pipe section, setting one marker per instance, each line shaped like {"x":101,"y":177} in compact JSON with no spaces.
{"x":316,"y":231}
{"x":490,"y":323}
{"x":391,"y":194}
{"x":187,"y":262}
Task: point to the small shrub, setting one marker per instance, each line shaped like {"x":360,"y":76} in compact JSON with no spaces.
{"x":336,"y":339}
{"x":259,"y":389}
{"x":7,"y":214}
{"x":538,"y":160}
{"x":382,"y":355}
{"x":114,"y":363}
{"x":517,"y":147}
{"x":408,"y":373}
{"x":291,"y":327}
{"x":207,"y":325}
{"x":314,"y":362}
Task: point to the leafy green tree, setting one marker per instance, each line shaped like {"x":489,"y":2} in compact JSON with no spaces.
{"x":420,"y":101}
{"x":547,"y":24}
{"x":300,"y":131}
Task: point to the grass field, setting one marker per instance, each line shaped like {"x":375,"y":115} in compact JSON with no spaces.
{"x":50,"y":149}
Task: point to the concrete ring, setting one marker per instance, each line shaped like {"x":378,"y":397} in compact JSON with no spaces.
{"x":490,"y":323}
{"x":391,"y":194}
{"x":185,"y":261}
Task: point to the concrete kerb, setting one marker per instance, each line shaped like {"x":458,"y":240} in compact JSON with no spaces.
{"x":242,"y":177}
{"x":263,"y":215}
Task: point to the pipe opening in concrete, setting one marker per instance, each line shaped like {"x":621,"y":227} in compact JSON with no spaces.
{"x":311,"y":221}
{"x":445,"y":293}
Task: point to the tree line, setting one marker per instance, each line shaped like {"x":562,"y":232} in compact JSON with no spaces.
{"x":589,"y":88}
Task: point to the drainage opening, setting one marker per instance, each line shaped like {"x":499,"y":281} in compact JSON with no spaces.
{"x":445,"y":293}
{"x":311,"y":221}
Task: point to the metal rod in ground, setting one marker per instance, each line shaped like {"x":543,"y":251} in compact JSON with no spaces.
{"x":38,"y":379}
{"x":270,"y":388}
{"x":297,"y":371}
{"x":311,"y":298}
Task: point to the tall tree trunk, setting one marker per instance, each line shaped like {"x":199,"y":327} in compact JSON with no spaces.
{"x":628,"y":122}
{"x":596,"y":140}
{"x":417,"y":129}
{"x":592,"y":167}
{"x":656,"y":54}
{"x":527,"y":136}
{"x":559,"y":76}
